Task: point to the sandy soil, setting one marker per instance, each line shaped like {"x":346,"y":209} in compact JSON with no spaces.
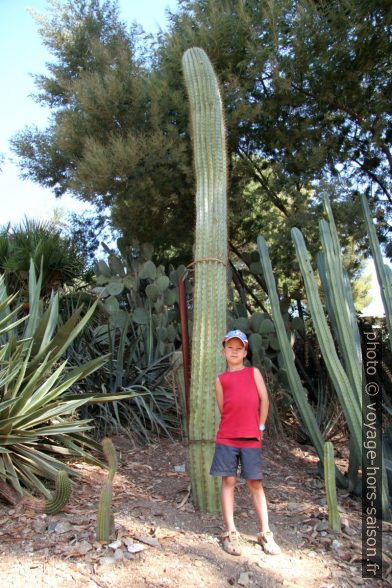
{"x":160,"y":540}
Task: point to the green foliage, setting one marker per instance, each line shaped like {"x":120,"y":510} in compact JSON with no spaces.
{"x":344,"y":369}
{"x":120,"y":119}
{"x":140,"y":334}
{"x":41,"y":242}
{"x":37,"y":412}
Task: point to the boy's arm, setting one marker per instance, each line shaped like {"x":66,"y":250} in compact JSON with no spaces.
{"x":263,"y":394}
{"x":219,"y":394}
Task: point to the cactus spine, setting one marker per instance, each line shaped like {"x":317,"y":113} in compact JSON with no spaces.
{"x":105,"y":519}
{"x":330,"y":487}
{"x":62,"y":494}
{"x":210,"y":296}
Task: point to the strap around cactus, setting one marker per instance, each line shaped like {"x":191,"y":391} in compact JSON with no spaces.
{"x":200,"y":441}
{"x":206,"y":259}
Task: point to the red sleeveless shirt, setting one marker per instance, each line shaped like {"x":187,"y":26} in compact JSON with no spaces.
{"x":241,"y":402}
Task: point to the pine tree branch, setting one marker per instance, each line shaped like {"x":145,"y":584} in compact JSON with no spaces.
{"x":354,"y":116}
{"x":234,"y":249}
{"x":375,"y":179}
{"x":261,"y":179}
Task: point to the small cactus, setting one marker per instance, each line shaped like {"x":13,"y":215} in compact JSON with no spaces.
{"x":62,"y":494}
{"x":105,"y":515}
{"x":105,"y":519}
{"x":330,"y":487}
{"x":111,"y":457}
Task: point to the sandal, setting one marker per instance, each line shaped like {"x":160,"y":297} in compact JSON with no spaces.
{"x":267,"y":542}
{"x":230,"y":542}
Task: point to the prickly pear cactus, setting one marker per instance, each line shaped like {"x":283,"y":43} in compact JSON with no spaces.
{"x":134,"y":290}
{"x":210,"y":295}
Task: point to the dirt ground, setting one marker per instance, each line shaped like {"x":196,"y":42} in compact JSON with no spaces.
{"x":160,"y":540}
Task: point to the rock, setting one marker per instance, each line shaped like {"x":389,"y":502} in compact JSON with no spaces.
{"x":62,"y":527}
{"x":152,"y":541}
{"x":180,"y":468}
{"x":325,"y":540}
{"x":127,"y":541}
{"x":322,"y":525}
{"x":107,"y":560}
{"x":344,"y":522}
{"x":135,"y":548}
{"x":336,"y":544}
{"x":118,"y":554}
{"x":244,"y":579}
{"x":40,"y":526}
{"x":84,"y":547}
{"x":349,"y":531}
{"x":115,"y":545}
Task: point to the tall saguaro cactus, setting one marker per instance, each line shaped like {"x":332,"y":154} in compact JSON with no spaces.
{"x":210,"y":296}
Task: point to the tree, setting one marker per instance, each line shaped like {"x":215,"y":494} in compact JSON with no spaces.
{"x":120,"y":132}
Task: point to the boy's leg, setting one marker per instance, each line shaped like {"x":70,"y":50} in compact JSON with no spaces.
{"x":265,"y":537}
{"x":260,"y":503}
{"x":227,"y":501}
{"x":230,"y":536}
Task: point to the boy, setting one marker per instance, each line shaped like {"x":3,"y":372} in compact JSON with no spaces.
{"x":242,"y":400}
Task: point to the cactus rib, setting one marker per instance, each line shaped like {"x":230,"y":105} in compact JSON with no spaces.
{"x":330,"y":487}
{"x":111,"y":457}
{"x":105,"y":516}
{"x":62,"y":494}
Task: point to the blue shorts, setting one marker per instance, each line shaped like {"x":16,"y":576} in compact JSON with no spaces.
{"x":227,"y":458}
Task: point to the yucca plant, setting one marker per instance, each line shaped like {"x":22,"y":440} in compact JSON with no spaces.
{"x":39,"y":423}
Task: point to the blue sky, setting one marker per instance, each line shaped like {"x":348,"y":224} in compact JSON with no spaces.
{"x":23,"y":55}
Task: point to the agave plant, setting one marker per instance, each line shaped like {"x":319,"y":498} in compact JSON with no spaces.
{"x":39,"y":422}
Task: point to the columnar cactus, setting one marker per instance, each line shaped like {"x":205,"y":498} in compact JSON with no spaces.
{"x":347,"y":397}
{"x":384,"y":274}
{"x":105,"y":519}
{"x":111,"y":457}
{"x":105,"y":515}
{"x":330,"y":487}
{"x":296,"y":387}
{"x":210,"y":296}
{"x":62,"y":494}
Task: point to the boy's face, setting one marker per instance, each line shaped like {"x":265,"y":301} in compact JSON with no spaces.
{"x":234,"y":352}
